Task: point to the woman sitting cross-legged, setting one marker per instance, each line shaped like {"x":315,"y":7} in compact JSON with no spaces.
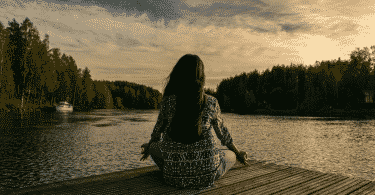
{"x":188,"y":154}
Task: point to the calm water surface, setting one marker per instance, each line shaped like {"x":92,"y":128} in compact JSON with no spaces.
{"x":64,"y":146}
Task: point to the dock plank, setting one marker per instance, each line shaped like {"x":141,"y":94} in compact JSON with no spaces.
{"x":257,"y":178}
{"x":87,"y":181}
{"x":370,"y":190}
{"x":283,"y":184}
{"x":355,"y":187}
{"x":311,"y":185}
{"x":101,"y":188}
{"x":255,"y":182}
{"x":302,"y":188}
{"x":370,"y":187}
{"x":337,"y":187}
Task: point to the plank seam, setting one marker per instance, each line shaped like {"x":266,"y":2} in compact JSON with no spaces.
{"x":278,"y":177}
{"x":298,"y":184}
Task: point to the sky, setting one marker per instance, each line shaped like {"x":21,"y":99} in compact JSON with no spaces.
{"x":141,"y":41}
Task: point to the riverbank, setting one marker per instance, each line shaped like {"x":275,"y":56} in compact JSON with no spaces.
{"x":10,"y":110}
{"x":358,"y":113}
{"x":362,"y":113}
{"x":15,"y":110}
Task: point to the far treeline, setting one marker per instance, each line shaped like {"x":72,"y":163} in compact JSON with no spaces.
{"x":34,"y":76}
{"x":319,"y":88}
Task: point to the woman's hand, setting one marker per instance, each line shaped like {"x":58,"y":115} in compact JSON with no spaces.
{"x":242,"y":157}
{"x":145,"y":151}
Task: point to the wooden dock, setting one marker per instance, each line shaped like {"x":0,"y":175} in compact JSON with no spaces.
{"x":258,"y":178}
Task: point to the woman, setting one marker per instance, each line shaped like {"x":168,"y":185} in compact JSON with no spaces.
{"x":188,"y":155}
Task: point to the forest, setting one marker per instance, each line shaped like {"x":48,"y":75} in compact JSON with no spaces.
{"x":34,"y":76}
{"x":326,"y":86}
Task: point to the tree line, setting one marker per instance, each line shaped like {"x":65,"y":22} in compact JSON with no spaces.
{"x":33,"y":75}
{"x":334,"y":84}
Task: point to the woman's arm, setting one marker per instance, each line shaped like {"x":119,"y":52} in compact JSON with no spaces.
{"x":160,"y":123}
{"x":233,"y":148}
{"x":221,"y":130}
{"x":223,"y":134}
{"x":156,"y":133}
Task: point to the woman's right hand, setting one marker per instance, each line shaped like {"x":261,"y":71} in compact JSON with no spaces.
{"x":242,"y":157}
{"x":145,"y":151}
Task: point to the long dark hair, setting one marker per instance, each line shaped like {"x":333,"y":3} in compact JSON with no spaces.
{"x":186,"y":81}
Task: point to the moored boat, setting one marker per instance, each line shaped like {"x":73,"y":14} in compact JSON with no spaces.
{"x":64,"y":107}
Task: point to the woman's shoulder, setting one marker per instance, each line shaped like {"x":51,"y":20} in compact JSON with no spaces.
{"x":211,"y":99}
{"x":210,"y":96}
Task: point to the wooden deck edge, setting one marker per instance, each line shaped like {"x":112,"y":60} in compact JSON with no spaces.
{"x":143,"y":171}
{"x":107,"y":177}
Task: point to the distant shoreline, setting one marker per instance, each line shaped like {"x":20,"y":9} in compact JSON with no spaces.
{"x":34,"y":108}
{"x":354,"y":113}
{"x":343,"y":113}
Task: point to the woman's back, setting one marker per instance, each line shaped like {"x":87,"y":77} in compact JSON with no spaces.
{"x":191,"y":165}
{"x":188,"y":154}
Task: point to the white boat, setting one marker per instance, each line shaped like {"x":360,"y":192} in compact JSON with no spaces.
{"x":64,"y":107}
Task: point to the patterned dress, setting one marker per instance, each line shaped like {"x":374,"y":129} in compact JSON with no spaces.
{"x":196,"y":164}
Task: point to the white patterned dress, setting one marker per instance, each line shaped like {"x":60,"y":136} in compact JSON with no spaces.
{"x":196,"y":164}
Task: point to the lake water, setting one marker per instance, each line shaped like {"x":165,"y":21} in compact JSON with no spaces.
{"x":65,"y":146}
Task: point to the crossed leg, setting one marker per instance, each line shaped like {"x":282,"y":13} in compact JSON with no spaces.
{"x":228,"y":159}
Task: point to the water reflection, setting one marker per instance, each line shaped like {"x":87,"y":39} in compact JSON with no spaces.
{"x":20,"y":156}
{"x":335,"y":146}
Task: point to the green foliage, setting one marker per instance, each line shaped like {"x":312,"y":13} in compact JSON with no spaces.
{"x":6,"y":73}
{"x":32,"y":74}
{"x":327,"y":84}
{"x":133,"y":95}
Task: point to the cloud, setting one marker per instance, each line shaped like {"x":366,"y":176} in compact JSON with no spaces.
{"x":221,"y":8}
{"x":154,"y":9}
{"x":290,"y":27}
{"x":230,"y":36}
{"x":125,"y":41}
{"x":134,"y":70}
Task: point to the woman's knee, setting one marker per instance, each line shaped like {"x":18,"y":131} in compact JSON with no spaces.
{"x":227,"y":162}
{"x":229,"y":157}
{"x":230,"y":154}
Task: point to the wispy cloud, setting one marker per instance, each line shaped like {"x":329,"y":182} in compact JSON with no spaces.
{"x":114,"y":37}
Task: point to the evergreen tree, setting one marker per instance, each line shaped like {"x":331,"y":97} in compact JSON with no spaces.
{"x":6,"y":73}
{"x":16,"y":48}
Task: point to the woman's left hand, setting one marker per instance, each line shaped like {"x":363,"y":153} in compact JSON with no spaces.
{"x":145,"y":151}
{"x":242,"y":157}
